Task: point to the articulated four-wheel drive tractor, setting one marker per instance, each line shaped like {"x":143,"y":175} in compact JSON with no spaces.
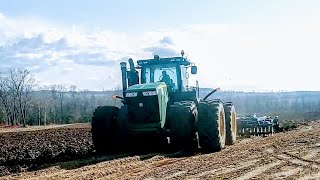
{"x":159,"y":105}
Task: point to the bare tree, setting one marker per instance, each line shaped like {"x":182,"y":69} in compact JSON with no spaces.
{"x":61,"y":90}
{"x":43,"y":100}
{"x":26,"y":85}
{"x":4,"y":95}
{"x":15,"y":88}
{"x":85,"y":103}
{"x":46,"y":101}
{"x":2,"y":115}
{"x":75,"y":96}
{"x":54,"y":94}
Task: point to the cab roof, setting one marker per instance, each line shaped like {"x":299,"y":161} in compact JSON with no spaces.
{"x":158,"y":60}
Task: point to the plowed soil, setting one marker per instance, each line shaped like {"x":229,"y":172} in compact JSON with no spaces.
{"x":290,"y":155}
{"x":27,"y":148}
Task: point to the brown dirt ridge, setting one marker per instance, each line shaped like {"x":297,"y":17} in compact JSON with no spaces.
{"x":291,"y":155}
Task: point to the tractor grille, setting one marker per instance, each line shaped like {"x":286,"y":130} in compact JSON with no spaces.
{"x":143,"y":109}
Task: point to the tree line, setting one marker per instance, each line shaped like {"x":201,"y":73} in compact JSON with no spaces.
{"x":58,"y":104}
{"x":299,"y":105}
{"x":23,"y":102}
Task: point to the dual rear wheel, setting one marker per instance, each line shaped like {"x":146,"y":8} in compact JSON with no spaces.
{"x":211,"y":126}
{"x":214,"y":121}
{"x":216,"y":125}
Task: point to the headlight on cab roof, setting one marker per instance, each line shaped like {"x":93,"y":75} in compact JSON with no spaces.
{"x":149,"y":93}
{"x":132,"y":94}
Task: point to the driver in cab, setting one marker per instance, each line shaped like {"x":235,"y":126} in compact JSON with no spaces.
{"x":166,"y":79}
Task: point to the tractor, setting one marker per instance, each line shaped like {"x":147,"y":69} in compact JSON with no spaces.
{"x":158,"y":104}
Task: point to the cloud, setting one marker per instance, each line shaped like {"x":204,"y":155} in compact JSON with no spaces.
{"x":164,"y":48}
{"x":83,"y":76}
{"x":38,"y":43}
{"x":44,"y":50}
{"x":162,"y":51}
{"x":231,"y":56}
{"x":166,"y":40}
{"x":31,"y":53}
{"x":65,"y":55}
{"x":94,"y":59}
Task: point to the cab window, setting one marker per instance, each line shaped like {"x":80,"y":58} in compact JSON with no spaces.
{"x":167,"y":75}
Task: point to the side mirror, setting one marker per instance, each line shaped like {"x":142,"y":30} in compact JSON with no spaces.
{"x":194,"y":69}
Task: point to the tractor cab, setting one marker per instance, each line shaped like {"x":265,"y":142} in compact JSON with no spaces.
{"x":170,"y":71}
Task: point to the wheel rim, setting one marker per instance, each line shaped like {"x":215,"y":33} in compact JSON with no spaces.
{"x":221,"y":121}
{"x":233,"y":123}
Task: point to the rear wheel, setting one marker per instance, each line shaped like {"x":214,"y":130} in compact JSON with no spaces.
{"x":103,"y":128}
{"x":231,"y":123}
{"x":211,"y":126}
{"x":182,"y":117}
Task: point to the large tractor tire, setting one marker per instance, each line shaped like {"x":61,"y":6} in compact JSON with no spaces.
{"x":231,"y":123}
{"x":103,"y":128}
{"x":182,"y":117}
{"x":123,"y":136}
{"x":211,"y":126}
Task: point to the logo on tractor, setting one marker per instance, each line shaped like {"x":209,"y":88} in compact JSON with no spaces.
{"x":140,"y":104}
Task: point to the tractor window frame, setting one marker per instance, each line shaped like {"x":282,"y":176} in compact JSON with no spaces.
{"x":184,"y":79}
{"x":145,"y":70}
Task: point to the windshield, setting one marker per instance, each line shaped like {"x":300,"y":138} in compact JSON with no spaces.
{"x":167,"y":75}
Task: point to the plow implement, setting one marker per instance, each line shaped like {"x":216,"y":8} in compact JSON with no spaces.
{"x":257,"y":126}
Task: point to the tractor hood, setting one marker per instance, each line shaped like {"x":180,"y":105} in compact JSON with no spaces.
{"x":153,"y":86}
{"x":160,"y":89}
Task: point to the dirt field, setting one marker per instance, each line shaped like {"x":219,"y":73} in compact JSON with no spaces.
{"x":25,"y":148}
{"x":291,"y":155}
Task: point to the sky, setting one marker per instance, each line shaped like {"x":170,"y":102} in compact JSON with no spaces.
{"x":242,"y":45}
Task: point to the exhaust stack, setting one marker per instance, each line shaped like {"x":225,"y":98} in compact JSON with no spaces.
{"x":124,"y":77}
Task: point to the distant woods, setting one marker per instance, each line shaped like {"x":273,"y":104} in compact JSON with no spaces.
{"x":299,"y":105}
{"x":24,"y":102}
{"x":58,"y":104}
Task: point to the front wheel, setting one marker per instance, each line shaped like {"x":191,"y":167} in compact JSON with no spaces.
{"x":103,"y":128}
{"x":123,"y":136}
{"x":182,"y":117}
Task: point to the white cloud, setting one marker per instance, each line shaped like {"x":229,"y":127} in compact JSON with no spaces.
{"x":166,"y":40}
{"x":241,"y":57}
{"x":247,"y":58}
{"x":164,"y":48}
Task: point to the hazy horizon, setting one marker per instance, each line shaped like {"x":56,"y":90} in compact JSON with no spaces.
{"x":237,"y":45}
